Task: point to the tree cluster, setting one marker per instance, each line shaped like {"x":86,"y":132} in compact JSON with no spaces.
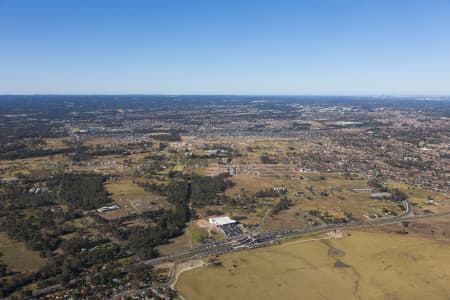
{"x":283,"y":204}
{"x":84,"y":191}
{"x":205,"y":189}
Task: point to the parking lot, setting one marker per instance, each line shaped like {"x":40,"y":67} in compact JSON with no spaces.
{"x":231,"y":230}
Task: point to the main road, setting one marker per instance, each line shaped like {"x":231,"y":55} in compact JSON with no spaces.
{"x":272,"y":237}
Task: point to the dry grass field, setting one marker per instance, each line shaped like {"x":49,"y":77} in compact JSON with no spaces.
{"x":33,"y":166}
{"x":94,"y":141}
{"x":362,"y":266}
{"x":335,"y":194}
{"x":132,"y":199}
{"x":56,"y":143}
{"x":327,"y":192}
{"x":285,"y":219}
{"x":17,"y":257}
{"x":437,"y":229}
{"x":250,"y":183}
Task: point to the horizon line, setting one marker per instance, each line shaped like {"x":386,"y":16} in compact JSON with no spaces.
{"x":232,"y":95}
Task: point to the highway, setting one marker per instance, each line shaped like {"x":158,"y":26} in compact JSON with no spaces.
{"x":273,"y":237}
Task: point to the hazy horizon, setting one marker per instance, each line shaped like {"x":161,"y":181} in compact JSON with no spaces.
{"x":416,"y":96}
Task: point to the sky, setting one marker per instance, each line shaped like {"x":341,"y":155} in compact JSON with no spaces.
{"x":279,"y":47}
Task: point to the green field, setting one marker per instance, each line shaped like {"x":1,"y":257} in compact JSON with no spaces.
{"x":362,"y":266}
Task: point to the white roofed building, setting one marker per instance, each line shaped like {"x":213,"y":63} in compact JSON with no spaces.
{"x":221,"y":221}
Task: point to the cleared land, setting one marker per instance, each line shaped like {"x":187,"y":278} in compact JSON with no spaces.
{"x":362,"y":266}
{"x":17,"y":257}
{"x":132,"y":199}
{"x":331,"y":193}
{"x":194,"y":233}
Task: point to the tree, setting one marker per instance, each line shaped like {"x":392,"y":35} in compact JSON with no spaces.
{"x":84,"y":190}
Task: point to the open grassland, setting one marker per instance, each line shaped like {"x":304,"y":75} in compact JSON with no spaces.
{"x":333,"y":193}
{"x":178,"y":168}
{"x":437,"y":229}
{"x":250,"y":183}
{"x":33,"y":166}
{"x":132,"y":198}
{"x":56,"y":143}
{"x":362,"y":266}
{"x":285,"y":219}
{"x":103,"y":141}
{"x":107,"y":164}
{"x":336,"y":194}
{"x":17,"y":257}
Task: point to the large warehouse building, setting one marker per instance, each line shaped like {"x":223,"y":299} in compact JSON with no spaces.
{"x":221,"y":221}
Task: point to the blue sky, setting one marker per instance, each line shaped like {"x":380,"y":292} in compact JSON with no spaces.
{"x":324,"y":47}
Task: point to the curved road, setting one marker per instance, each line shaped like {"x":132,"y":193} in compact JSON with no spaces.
{"x":272,"y":237}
